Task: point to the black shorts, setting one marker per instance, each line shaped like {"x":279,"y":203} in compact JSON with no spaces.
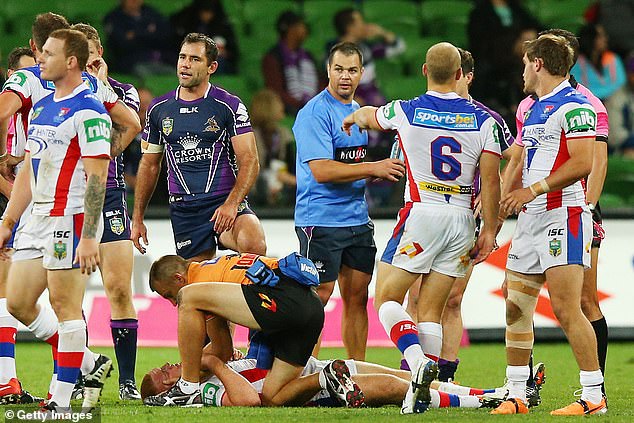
{"x":116,"y":222}
{"x":193,"y":231}
{"x":290,"y":315}
{"x":597,"y":227}
{"x":330,"y":248}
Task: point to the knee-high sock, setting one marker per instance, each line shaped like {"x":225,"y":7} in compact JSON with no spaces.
{"x":72,"y":343}
{"x":402,"y":330}
{"x":443,"y":399}
{"x":45,"y":327}
{"x":8,"y":330}
{"x":452,"y":388}
{"x":601,"y":331}
{"x":430,"y":338}
{"x":124,"y":337}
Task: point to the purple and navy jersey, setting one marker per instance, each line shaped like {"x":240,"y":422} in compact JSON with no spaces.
{"x":196,"y":138}
{"x":130,"y":97}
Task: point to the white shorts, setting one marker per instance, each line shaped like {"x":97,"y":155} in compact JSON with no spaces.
{"x":54,"y":238}
{"x":432,"y":237}
{"x":556,"y":237}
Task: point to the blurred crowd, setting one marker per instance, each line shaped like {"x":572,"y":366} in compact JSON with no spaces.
{"x":142,"y":41}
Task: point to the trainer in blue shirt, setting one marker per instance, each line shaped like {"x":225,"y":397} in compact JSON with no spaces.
{"x":331,"y":213}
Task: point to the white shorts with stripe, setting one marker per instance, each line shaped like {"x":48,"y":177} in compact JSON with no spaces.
{"x":54,"y":238}
{"x":556,"y":237}
{"x":432,"y":237}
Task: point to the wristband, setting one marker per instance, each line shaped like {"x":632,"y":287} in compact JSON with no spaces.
{"x":533,"y":191}
{"x":8,"y":222}
{"x":544,"y":185}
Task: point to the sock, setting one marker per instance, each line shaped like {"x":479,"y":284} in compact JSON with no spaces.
{"x":443,"y":400}
{"x":447,"y":370}
{"x":187,"y":387}
{"x":322,"y":380}
{"x":124,"y":337}
{"x":430,"y":338}
{"x":591,"y":386}
{"x":8,"y":330}
{"x":517,"y":377}
{"x":72,"y":343}
{"x":601,"y":331}
{"x":452,"y":388}
{"x":402,"y":331}
{"x":45,"y":327}
{"x":88,"y":360}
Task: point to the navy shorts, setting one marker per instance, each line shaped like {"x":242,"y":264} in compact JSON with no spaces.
{"x":191,"y":223}
{"x":330,"y":248}
{"x":116,"y":222}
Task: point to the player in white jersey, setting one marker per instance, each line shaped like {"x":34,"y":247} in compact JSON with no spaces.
{"x":66,"y":161}
{"x":554,"y":227}
{"x":443,"y":138}
{"x":18,"y":96}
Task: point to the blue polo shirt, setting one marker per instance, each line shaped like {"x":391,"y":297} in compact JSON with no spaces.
{"x":318,"y":135}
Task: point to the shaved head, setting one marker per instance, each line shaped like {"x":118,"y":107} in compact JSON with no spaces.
{"x":443,"y":61}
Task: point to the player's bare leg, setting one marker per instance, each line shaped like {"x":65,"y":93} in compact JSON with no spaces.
{"x":324,"y":292}
{"x":246,"y":236}
{"x":591,"y":309}
{"x":353,"y":286}
{"x":10,"y":390}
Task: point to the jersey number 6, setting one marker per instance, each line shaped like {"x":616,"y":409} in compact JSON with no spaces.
{"x":444,"y":166}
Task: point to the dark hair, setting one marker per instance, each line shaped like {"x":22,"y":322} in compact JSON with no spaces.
{"x":553,"y":50}
{"x":343,"y":19}
{"x":89,"y":31}
{"x":347,"y":49}
{"x":466,"y":61}
{"x":13,"y":61}
{"x":75,"y":44}
{"x":44,"y":25}
{"x":286,"y":20}
{"x":573,"y":41}
{"x":211,"y":49}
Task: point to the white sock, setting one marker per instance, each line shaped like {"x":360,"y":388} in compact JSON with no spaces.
{"x":463,"y":401}
{"x":188,"y":387}
{"x":8,"y":329}
{"x":72,"y":342}
{"x":392,"y":314}
{"x":452,"y":388}
{"x":517,"y":377}
{"x":45,"y":324}
{"x":591,"y":386}
{"x":430,"y":338}
{"x":88,"y":362}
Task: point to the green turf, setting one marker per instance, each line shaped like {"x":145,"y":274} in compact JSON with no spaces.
{"x":481,"y":366}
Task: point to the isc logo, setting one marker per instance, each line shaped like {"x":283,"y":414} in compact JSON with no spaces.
{"x":61,"y":234}
{"x":555,"y":232}
{"x":407,"y":327}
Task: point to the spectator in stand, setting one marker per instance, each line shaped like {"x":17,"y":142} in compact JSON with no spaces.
{"x":598,"y":68}
{"x":621,"y":111}
{"x":208,"y":17}
{"x":275,"y":185}
{"x":137,"y":38}
{"x":616,"y":16}
{"x":496,"y":28}
{"x":375,"y":42}
{"x":288,"y":68}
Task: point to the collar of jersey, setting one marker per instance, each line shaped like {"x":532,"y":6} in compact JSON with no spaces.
{"x":447,"y":96}
{"x":334,"y":100}
{"x":558,"y":88}
{"x":79,"y":88}
{"x":178,"y":90}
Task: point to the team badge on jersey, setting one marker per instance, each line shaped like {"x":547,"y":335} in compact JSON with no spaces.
{"x":168,"y":126}
{"x":37,"y":112}
{"x":116,"y":225}
{"x":211,"y":125}
{"x":61,"y":115}
{"x":59,"y":250}
{"x":554,"y":247}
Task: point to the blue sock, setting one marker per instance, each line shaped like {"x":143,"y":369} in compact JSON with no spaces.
{"x":124,"y":336}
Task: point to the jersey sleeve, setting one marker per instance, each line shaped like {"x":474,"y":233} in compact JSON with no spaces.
{"x":313,"y":137}
{"x":93,"y":133}
{"x":240,"y":121}
{"x":21,"y":83}
{"x":389,"y":116}
{"x":152,"y":141}
{"x":106,"y":94}
{"x":490,"y":137}
{"x":131,"y":98}
{"x":579,"y":121}
{"x":520,"y":115}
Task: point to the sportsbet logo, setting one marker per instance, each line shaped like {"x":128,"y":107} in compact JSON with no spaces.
{"x":445,"y":120}
{"x":97,"y":129}
{"x":581,"y":120}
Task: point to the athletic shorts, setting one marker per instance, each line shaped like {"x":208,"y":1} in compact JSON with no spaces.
{"x":54,"y":238}
{"x":598,"y":233}
{"x":192,"y":227}
{"x":330,"y":248}
{"x":432,"y":237}
{"x":556,"y":237}
{"x":290,"y":315}
{"x":116,"y":222}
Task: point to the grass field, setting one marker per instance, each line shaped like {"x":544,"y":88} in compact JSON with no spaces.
{"x":482,"y":365}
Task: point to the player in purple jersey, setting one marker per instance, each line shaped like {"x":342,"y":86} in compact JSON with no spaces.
{"x":115,"y":248}
{"x":205,"y":134}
